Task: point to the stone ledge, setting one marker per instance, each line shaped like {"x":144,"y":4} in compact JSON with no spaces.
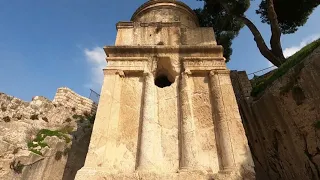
{"x":99,"y":173}
{"x":120,"y":51}
{"x":103,"y":174}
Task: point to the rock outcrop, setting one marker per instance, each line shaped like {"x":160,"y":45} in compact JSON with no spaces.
{"x":283,"y":124}
{"x":36,"y":137}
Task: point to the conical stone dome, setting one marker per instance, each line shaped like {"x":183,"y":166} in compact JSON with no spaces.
{"x":166,"y":11}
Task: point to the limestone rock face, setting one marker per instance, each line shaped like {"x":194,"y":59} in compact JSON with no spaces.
{"x":283,"y":124}
{"x":20,"y":124}
{"x":167,"y":108}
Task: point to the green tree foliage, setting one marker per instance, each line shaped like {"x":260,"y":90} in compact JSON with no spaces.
{"x":226,"y":26}
{"x":227,"y":18}
{"x":291,"y":13}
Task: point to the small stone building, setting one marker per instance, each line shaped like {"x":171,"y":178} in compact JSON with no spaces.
{"x":167,"y":108}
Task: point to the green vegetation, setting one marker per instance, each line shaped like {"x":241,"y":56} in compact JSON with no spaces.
{"x":16,"y":167}
{"x":38,"y":143}
{"x":260,"y":84}
{"x":66,"y":130}
{"x":85,"y":116}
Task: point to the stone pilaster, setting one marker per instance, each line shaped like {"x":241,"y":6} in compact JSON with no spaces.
{"x":222,"y":121}
{"x":150,"y":155}
{"x":105,"y":130}
{"x":189,"y":151}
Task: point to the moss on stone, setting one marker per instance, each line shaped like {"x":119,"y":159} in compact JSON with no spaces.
{"x":34,"y":145}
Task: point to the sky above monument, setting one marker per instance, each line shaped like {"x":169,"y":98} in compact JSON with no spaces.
{"x":45,"y":45}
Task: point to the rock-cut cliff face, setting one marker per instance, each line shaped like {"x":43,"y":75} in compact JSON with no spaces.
{"x":283,"y":124}
{"x":44,"y":140}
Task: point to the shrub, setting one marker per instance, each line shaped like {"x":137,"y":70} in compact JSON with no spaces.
{"x":92,"y":118}
{"x":76,"y":116}
{"x":45,"y":119}
{"x":15,"y":151}
{"x":66,"y":151}
{"x":3,"y":108}
{"x":68,"y":120}
{"x":39,"y":140}
{"x":16,"y":167}
{"x":86,"y":114}
{"x":6,"y":119}
{"x":34,"y":117}
{"x":66,"y":129}
{"x":58,"y":155}
{"x":19,"y":117}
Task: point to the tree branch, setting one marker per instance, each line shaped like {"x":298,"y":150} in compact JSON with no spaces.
{"x":263,"y":48}
{"x":275,"y":40}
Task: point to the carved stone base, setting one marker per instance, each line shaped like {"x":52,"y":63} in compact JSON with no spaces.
{"x":99,"y":174}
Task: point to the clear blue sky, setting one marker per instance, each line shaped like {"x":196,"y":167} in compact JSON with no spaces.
{"x":49,"y":44}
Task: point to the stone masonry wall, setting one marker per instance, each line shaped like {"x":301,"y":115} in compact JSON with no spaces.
{"x":20,"y":123}
{"x":283,"y":124}
{"x":71,"y":99}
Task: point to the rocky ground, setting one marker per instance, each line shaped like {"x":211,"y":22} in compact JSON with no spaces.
{"x":42,"y":139}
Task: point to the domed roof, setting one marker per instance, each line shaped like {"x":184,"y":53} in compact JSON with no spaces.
{"x":166,"y":11}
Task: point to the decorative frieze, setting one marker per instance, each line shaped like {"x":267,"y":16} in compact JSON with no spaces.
{"x":203,"y":63}
{"x":127,"y":63}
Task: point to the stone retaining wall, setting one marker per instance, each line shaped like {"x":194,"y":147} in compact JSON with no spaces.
{"x":283,"y":124}
{"x":71,"y":99}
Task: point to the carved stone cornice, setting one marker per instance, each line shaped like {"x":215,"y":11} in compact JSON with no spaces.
{"x":127,"y":63}
{"x":120,"y":51}
{"x":204,"y":63}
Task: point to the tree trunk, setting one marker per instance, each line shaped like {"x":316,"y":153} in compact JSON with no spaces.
{"x":263,"y":48}
{"x":275,"y":40}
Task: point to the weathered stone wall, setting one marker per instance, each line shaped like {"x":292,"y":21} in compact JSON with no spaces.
{"x":21,"y":121}
{"x":283,"y":124}
{"x":204,"y":123}
{"x":70,"y":99}
{"x":162,"y":33}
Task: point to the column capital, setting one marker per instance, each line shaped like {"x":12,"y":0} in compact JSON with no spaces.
{"x":186,"y":72}
{"x":113,"y":72}
{"x":216,"y":72}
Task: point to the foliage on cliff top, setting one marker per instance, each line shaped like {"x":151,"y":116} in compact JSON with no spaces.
{"x":38,"y":143}
{"x":261,"y":84}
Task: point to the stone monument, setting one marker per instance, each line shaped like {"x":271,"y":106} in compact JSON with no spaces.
{"x":167,"y":108}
